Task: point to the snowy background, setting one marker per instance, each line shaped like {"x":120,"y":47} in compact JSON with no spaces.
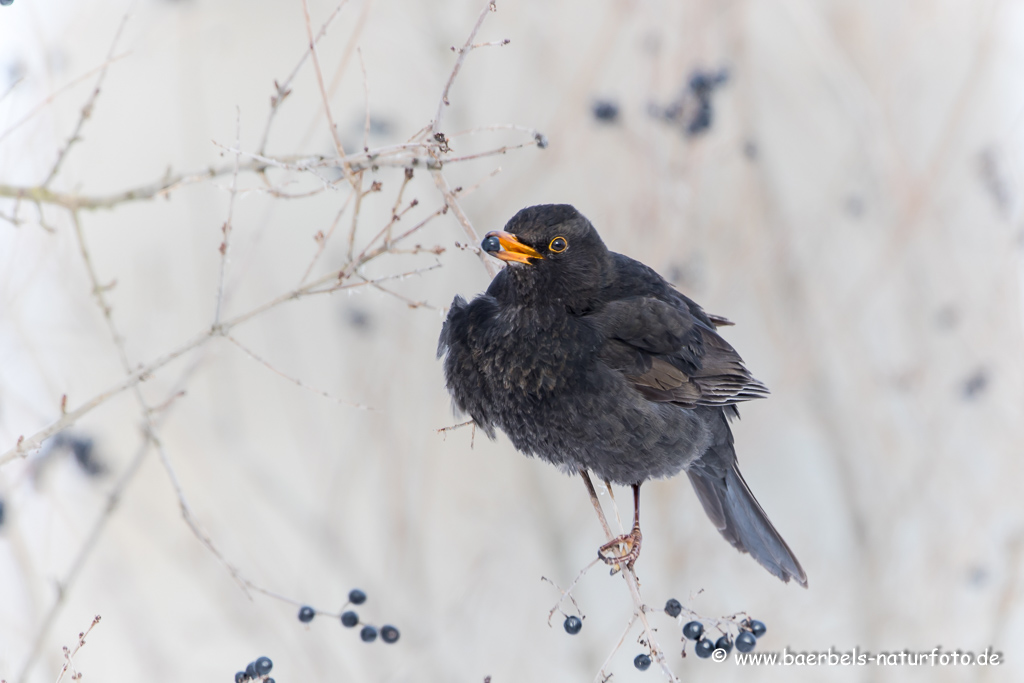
{"x":853,"y":204}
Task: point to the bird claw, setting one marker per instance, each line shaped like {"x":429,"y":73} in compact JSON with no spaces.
{"x":631,"y":541}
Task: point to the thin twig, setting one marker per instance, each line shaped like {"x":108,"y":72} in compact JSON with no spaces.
{"x":322,"y":239}
{"x":225,"y":245}
{"x":160,"y":188}
{"x":602,"y":676}
{"x":85,"y":550}
{"x":364,"y":14}
{"x":89,"y":103}
{"x":466,"y":49}
{"x":366,"y":94}
{"x":323,"y":93}
{"x":629,"y":576}
{"x":252,"y":354}
{"x":567,"y":592}
{"x":57,"y":93}
{"x":149,"y":425}
{"x":282,"y":90}
{"x":451,"y":428}
{"x":10,"y":89}
{"x":492,"y":43}
{"x":453,"y":204}
{"x":70,"y":654}
{"x":357,"y":185}
{"x":25,"y":445}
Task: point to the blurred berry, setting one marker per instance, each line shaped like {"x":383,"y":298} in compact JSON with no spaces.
{"x":757,"y":627}
{"x":642,"y":662}
{"x":306,"y":614}
{"x":605,"y":111}
{"x":356,"y":596}
{"x":269,"y":680}
{"x":240,"y":677}
{"x":572,"y":625}
{"x":745,"y":641}
{"x":704,"y":648}
{"x":673,"y":608}
{"x":701,"y":120}
{"x":703,"y":82}
{"x":263,"y":666}
{"x":368,"y":634}
{"x":250,"y":670}
{"x":724,"y":643}
{"x":81,"y":448}
{"x":349,"y":619}
{"x":5,"y":3}
{"x":693,"y":630}
{"x":389,"y":634}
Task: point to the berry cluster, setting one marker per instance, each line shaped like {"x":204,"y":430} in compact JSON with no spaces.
{"x":350,"y":619}
{"x":749,"y":630}
{"x":256,"y":671}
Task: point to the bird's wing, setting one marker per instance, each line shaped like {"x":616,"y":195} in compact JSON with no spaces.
{"x":459,"y":343}
{"x":668,"y":355}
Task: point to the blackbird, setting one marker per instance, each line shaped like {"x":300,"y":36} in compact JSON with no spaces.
{"x":592,"y":361}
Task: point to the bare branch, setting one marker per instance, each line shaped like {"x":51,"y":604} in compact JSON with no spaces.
{"x":252,"y":354}
{"x":282,"y":90}
{"x":466,"y":49}
{"x":366,"y":94}
{"x":323,"y":93}
{"x":453,"y":204}
{"x":69,"y":654}
{"x":225,"y":245}
{"x":629,"y":576}
{"x":322,"y":239}
{"x":89,"y":104}
{"x":57,"y":93}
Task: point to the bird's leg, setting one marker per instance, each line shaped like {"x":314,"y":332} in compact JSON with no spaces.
{"x":630,"y":541}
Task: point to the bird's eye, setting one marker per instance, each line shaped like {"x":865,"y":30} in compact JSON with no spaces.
{"x":558,"y":245}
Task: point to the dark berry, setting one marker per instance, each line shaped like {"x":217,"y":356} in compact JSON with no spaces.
{"x":263,"y":666}
{"x":757,"y":627}
{"x":240,"y":677}
{"x":673,"y":608}
{"x":389,"y":634}
{"x":745,"y":641}
{"x":572,"y":625}
{"x":368,"y":634}
{"x":306,"y":614}
{"x":349,"y":619}
{"x":491,"y":244}
{"x":250,"y":670}
{"x":356,"y":596}
{"x":269,"y":680}
{"x":724,"y":643}
{"x":642,"y":662}
{"x":704,"y":648}
{"x":693,"y":630}
{"x":606,"y":111}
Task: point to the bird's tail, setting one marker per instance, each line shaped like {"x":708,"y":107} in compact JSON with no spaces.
{"x":733,"y":509}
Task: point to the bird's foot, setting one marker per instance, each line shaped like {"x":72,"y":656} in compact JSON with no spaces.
{"x":631,"y":542}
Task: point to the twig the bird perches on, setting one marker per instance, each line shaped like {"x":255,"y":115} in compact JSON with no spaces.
{"x":629,"y":576}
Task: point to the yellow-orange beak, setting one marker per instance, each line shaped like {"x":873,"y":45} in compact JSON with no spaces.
{"x":507,"y":247}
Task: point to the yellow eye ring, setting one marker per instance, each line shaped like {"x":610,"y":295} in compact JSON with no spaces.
{"x":558,"y":245}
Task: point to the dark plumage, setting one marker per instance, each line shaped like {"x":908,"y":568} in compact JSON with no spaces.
{"x":592,"y":361}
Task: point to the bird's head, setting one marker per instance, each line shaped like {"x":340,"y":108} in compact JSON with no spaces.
{"x":553,"y":248}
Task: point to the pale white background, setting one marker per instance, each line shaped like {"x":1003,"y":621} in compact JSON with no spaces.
{"x":868,"y":246}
